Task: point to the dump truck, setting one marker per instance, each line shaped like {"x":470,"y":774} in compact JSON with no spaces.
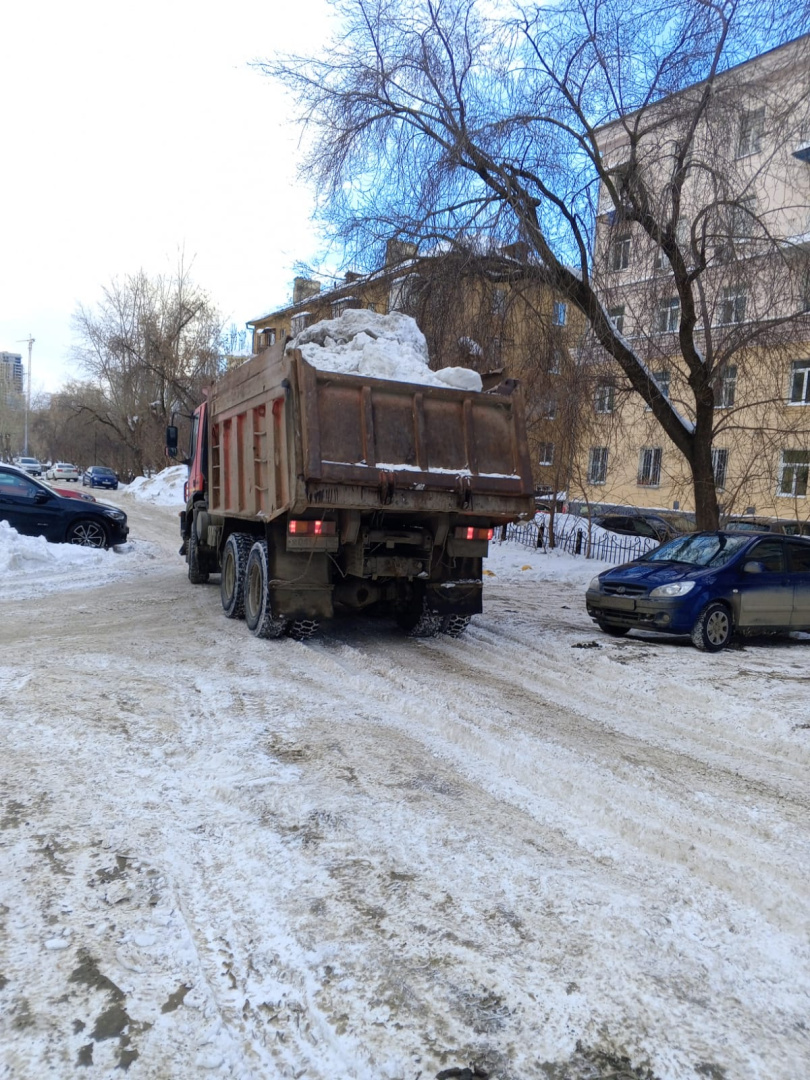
{"x":313,"y":492}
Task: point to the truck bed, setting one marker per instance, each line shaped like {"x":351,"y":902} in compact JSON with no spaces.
{"x":289,"y":436}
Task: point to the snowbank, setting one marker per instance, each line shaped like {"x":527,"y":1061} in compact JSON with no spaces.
{"x":512,"y":562}
{"x":35,"y":555}
{"x":164,"y":489}
{"x":362,"y":342}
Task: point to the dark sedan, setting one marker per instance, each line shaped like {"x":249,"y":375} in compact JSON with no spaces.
{"x":708,"y":585}
{"x":100,"y":476}
{"x":34,"y":509}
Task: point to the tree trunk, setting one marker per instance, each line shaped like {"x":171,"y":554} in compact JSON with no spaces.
{"x":707,"y":512}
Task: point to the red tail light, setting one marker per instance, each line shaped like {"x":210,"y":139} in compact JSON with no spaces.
{"x":467,"y":532}
{"x":312,"y":528}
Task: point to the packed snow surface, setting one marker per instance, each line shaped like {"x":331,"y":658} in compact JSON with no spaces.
{"x":392,"y":346}
{"x":163,"y":489}
{"x":535,"y":852}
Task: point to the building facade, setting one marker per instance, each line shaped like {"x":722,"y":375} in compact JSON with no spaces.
{"x":727,"y":171}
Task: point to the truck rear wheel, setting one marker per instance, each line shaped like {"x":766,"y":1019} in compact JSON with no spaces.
{"x":455,"y":625}
{"x":259,"y":616}
{"x":234,"y":565}
{"x":418,"y":621}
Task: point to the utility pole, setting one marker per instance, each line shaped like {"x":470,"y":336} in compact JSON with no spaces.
{"x":30,"y":341}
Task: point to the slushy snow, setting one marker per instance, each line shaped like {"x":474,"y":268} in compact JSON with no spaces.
{"x":363,"y":342}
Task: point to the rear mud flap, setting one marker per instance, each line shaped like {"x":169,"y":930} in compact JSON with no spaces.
{"x":454,"y":597}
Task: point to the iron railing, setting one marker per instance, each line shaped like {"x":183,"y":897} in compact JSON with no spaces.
{"x":607,"y":547}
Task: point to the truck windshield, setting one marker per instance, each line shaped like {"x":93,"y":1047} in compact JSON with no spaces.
{"x":699,"y":549}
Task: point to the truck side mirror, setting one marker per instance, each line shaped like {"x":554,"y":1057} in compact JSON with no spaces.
{"x":171,"y":441}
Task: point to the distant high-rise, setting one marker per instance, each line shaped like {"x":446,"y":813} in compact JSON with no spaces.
{"x":11,"y":375}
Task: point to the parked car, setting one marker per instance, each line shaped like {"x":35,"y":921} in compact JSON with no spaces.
{"x":708,"y":585}
{"x":29,"y":465}
{"x":99,"y":476}
{"x":34,"y":509}
{"x":784,"y":526}
{"x":62,"y":470}
{"x":650,"y":525}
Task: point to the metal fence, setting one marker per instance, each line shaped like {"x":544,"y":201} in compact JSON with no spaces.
{"x":607,"y":547}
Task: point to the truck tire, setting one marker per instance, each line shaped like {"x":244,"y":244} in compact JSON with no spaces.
{"x":455,"y":625}
{"x":196,"y":575}
{"x":259,"y":615}
{"x":234,"y":565}
{"x":302,"y":629}
{"x":419,"y":621}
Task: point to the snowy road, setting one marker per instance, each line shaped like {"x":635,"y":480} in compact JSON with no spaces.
{"x":537,"y":849}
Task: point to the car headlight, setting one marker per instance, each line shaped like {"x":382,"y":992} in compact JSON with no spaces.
{"x":677,"y":588}
{"x":595,"y":585}
{"x":119,"y":515}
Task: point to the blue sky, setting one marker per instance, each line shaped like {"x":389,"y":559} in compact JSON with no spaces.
{"x":136,"y":132}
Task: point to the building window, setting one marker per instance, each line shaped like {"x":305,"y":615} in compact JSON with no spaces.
{"x":266,"y":337}
{"x":597,"y":464}
{"x":300,"y":322}
{"x":732,"y":305}
{"x":559,"y":313}
{"x":649,"y":467}
{"x":605,"y":398}
{"x":719,"y":467}
{"x":800,"y":382}
{"x":546,"y":453}
{"x":669,"y":315}
{"x":661,"y":380}
{"x":752,"y":127}
{"x":660,"y":261}
{"x":339,"y":306}
{"x":742,"y":218}
{"x":616,"y":316}
{"x":499,"y":302}
{"x":620,"y":253}
{"x":555,"y":361}
{"x":793,"y":472}
{"x":725,"y":387}
{"x":548,"y":408}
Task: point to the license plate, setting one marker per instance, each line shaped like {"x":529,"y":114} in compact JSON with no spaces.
{"x":619,"y":603}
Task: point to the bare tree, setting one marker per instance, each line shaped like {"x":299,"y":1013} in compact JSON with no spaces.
{"x":441,"y":120}
{"x":148,"y":348}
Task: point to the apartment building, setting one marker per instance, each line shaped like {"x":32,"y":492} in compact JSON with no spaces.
{"x":11,"y":376}
{"x":725,"y":172}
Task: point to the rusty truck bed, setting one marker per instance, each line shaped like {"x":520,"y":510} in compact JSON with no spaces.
{"x":288,"y":436}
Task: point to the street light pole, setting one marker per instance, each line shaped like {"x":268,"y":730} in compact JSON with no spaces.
{"x":30,"y":341}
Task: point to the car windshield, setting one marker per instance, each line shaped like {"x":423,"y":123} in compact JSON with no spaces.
{"x":101,"y":471}
{"x":699,"y":549}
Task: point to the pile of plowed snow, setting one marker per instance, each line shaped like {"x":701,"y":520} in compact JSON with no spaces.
{"x":363,"y":342}
{"x":163,"y":489}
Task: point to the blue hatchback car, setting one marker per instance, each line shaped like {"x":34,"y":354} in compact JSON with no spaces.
{"x":708,"y":585}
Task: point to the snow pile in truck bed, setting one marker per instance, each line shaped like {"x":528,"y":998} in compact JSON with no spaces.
{"x":362,"y":342}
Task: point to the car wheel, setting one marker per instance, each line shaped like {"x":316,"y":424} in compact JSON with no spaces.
{"x":232,"y":582}
{"x":196,"y":574}
{"x":613,"y":630}
{"x":713,"y":629}
{"x":88,"y":533}
{"x":259,"y":616}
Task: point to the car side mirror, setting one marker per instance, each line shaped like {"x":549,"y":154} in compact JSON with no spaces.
{"x":753,"y":567}
{"x":42,"y":496}
{"x":171,"y":441}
